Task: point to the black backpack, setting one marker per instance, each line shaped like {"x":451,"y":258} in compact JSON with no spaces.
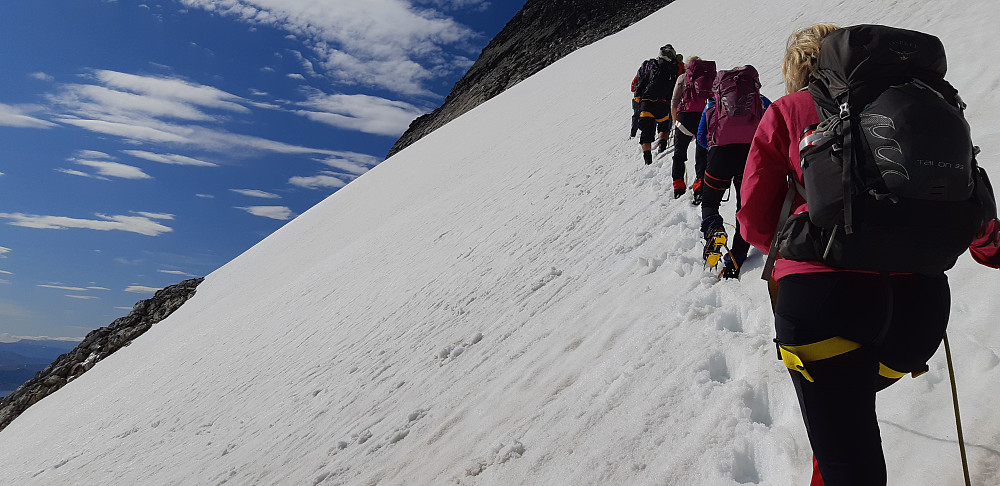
{"x":657,"y":79}
{"x":890,"y":174}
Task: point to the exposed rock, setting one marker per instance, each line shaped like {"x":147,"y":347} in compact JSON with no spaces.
{"x":98,"y":344}
{"x":541,"y":33}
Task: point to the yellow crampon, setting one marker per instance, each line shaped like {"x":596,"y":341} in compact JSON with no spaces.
{"x":713,"y":256}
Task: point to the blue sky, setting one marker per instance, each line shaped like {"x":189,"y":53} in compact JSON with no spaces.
{"x":145,"y":143}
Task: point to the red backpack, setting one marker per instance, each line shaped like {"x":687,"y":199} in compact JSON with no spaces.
{"x":698,"y":79}
{"x":738,"y":108}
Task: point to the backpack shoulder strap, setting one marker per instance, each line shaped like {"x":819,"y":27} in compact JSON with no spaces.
{"x":772,"y":254}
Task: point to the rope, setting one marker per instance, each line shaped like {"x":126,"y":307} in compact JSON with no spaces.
{"x":958,"y":417}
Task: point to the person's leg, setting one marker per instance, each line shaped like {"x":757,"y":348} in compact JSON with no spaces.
{"x":647,"y":129}
{"x":740,"y":247}
{"x":838,"y":405}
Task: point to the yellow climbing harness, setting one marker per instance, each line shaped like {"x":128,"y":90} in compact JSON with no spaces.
{"x":796,"y":357}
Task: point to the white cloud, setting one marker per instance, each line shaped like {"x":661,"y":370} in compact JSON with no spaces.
{"x":155,"y":215}
{"x":4,"y":251}
{"x":41,"y":76}
{"x":6,"y":272}
{"x":132,"y":224}
{"x":12,"y":116}
{"x":351,"y":162}
{"x":325,"y":180}
{"x":280,"y":213}
{"x":160,"y":110}
{"x":173,"y":159}
{"x":176,"y":272}
{"x":62,"y":287}
{"x":205,"y":196}
{"x":387,"y":43}
{"x":82,"y":297}
{"x":160,"y":88}
{"x":7,"y":338}
{"x":141,"y":289}
{"x":114,"y":169}
{"x":364,"y":113}
{"x":296,"y":76}
{"x":256,"y":193}
{"x":77,"y":173}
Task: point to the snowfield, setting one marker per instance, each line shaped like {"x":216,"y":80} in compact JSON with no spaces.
{"x":517,"y":300}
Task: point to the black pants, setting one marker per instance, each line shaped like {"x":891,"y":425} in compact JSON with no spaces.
{"x":653,"y":118}
{"x":681,"y":142}
{"x":725,"y":167}
{"x":898,"y":320}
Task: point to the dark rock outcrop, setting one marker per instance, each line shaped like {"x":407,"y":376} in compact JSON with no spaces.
{"x":98,"y":344}
{"x":541,"y":33}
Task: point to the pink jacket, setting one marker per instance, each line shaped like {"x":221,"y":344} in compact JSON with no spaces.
{"x":774,"y":153}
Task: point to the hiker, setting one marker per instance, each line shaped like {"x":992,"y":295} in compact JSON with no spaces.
{"x":654,"y":85}
{"x":726,"y":128}
{"x":844,"y":334}
{"x":691,"y":92}
{"x":635,"y":98}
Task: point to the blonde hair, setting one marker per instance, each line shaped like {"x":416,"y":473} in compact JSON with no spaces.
{"x":692,"y":58}
{"x":800,"y":55}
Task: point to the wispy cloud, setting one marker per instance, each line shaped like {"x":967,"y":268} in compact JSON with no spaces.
{"x":41,"y":76}
{"x":280,"y":213}
{"x":132,"y":224}
{"x":173,"y":159}
{"x":364,"y":113}
{"x":391,"y":44}
{"x":162,"y":110}
{"x":6,"y":272}
{"x":113,"y":169}
{"x":141,"y":289}
{"x":256,"y":193}
{"x":4,"y":251}
{"x":83,"y":297}
{"x":176,"y":272}
{"x":62,"y":287}
{"x":324,"y":180}
{"x":7,"y":338}
{"x":351,"y":162}
{"x":14,"y":116}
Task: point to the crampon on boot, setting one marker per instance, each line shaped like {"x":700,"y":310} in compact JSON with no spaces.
{"x":715,"y":241}
{"x":731,"y":269}
{"x":696,"y":191}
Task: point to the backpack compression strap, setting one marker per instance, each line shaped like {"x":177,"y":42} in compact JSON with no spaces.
{"x":786,"y":207}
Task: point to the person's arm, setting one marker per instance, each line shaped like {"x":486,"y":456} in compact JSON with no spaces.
{"x":765,"y":180}
{"x":675,"y":100}
{"x":985,"y":249}
{"x":701,"y":137}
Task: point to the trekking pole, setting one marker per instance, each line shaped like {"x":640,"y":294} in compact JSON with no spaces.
{"x":958,"y":417}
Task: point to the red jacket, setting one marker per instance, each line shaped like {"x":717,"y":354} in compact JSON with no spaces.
{"x":774,"y":153}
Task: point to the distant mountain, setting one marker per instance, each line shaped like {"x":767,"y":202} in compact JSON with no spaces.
{"x":543,"y":32}
{"x":21,"y":360}
{"x":55,"y":363}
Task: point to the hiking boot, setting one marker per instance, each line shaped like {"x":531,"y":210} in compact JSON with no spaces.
{"x":731,"y":268}
{"x":647,"y":156}
{"x":679,"y":188}
{"x":715,"y":240}
{"x":663,"y":145}
{"x":697,"y":196}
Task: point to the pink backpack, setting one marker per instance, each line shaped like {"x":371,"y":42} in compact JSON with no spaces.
{"x":738,"y":108}
{"x":698,"y":78}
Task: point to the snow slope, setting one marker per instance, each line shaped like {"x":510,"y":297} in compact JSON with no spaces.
{"x":515,"y":299}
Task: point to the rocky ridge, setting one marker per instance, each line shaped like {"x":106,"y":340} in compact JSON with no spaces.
{"x":541,"y":33}
{"x":98,"y":344}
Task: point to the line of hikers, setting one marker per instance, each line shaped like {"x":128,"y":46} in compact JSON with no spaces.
{"x":720,"y":110}
{"x":860,"y":185}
